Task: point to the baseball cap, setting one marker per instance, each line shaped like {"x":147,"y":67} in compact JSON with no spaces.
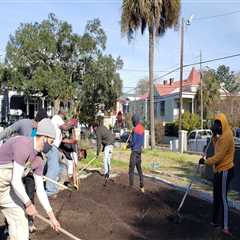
{"x":46,"y":128}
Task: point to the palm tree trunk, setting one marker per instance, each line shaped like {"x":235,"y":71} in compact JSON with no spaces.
{"x":151,"y":89}
{"x":56,"y":105}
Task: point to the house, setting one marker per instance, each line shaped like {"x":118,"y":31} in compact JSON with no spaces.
{"x":166,"y":98}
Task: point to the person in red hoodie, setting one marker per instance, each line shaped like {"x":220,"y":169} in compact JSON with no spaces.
{"x":136,"y":144}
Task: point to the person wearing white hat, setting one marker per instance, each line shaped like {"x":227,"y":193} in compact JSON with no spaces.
{"x":18,"y":155}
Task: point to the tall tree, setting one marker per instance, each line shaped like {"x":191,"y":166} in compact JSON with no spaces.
{"x":142,"y":86}
{"x":211,"y":93}
{"x":49,"y":59}
{"x":157,"y":16}
{"x":226,"y":77}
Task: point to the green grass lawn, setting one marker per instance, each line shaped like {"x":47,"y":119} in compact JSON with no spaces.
{"x":174,"y":167}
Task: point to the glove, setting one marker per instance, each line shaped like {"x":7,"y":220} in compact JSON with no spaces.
{"x":201,"y":161}
{"x":74,"y":141}
{"x":73,"y":122}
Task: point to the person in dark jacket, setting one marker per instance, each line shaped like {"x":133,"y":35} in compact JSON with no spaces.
{"x":136,"y":144}
{"x":105,"y":138}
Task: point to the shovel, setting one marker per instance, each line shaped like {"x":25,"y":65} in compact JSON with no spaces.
{"x":177,"y":217}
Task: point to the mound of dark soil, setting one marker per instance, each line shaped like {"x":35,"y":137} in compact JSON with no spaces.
{"x":118,"y":212}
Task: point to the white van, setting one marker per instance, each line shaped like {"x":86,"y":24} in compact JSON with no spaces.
{"x":197,"y":139}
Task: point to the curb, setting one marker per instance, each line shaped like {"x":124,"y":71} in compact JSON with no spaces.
{"x":195,"y":193}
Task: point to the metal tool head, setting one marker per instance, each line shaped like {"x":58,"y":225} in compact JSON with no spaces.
{"x":176,"y":218}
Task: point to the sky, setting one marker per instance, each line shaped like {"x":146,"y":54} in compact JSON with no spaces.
{"x":214,"y":30}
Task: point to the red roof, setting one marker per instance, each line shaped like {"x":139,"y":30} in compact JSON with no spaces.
{"x":167,"y":88}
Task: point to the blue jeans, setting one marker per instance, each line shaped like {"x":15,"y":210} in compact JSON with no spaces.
{"x":53,"y":168}
{"x":107,"y":158}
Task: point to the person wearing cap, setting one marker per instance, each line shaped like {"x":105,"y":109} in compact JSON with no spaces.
{"x":18,"y":155}
{"x":54,"y":166}
{"x":136,"y":145}
{"x":25,"y":127}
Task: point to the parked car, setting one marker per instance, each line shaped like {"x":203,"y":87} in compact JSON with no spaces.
{"x":121,"y":134}
{"x":198,"y":139}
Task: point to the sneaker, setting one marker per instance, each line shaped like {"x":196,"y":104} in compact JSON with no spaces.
{"x":226,"y":232}
{"x":142,"y":189}
{"x":32,"y":228}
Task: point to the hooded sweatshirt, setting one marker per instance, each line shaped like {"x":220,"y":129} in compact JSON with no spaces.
{"x":223,"y":147}
{"x":137,"y":140}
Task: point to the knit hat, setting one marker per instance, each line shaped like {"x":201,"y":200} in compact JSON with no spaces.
{"x":46,"y":128}
{"x":135,"y":119}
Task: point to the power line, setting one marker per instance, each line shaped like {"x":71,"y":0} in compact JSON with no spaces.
{"x":59,"y":2}
{"x":192,"y":64}
{"x":216,"y":16}
{"x":210,"y":1}
{"x":138,"y":70}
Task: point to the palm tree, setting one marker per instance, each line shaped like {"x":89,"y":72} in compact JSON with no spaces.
{"x":157,"y":16}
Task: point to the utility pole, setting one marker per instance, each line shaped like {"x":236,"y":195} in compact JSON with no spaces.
{"x":201,"y":89}
{"x":181,"y":84}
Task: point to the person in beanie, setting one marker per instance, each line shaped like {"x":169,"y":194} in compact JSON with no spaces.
{"x":105,"y":138}
{"x":136,"y":144}
{"x":222,"y":162}
{"x":18,"y":156}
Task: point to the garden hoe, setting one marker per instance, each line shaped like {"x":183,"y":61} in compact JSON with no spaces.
{"x":177,"y":217}
{"x":65,"y":232}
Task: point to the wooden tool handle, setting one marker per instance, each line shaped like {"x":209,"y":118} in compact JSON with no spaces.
{"x":89,"y":163}
{"x":60,"y":229}
{"x":57,"y":183}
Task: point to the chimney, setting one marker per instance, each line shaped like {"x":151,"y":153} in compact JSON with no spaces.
{"x":171,"y":81}
{"x":164,"y":82}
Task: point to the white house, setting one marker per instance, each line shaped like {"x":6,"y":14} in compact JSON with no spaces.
{"x":166,"y":98}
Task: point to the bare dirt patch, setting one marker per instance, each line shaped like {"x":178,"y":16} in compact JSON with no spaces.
{"x":118,"y":212}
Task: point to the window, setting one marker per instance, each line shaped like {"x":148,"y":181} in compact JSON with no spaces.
{"x":192,"y":135}
{"x":162,"y":108}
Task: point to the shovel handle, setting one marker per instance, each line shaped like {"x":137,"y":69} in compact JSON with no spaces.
{"x":60,"y":229}
{"x":57,"y":183}
{"x":89,"y":163}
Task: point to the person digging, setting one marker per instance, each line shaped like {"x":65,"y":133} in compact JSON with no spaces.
{"x":222,"y":162}
{"x":28,"y":128}
{"x":136,"y":144}
{"x":19,"y":155}
{"x":105,"y":138}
